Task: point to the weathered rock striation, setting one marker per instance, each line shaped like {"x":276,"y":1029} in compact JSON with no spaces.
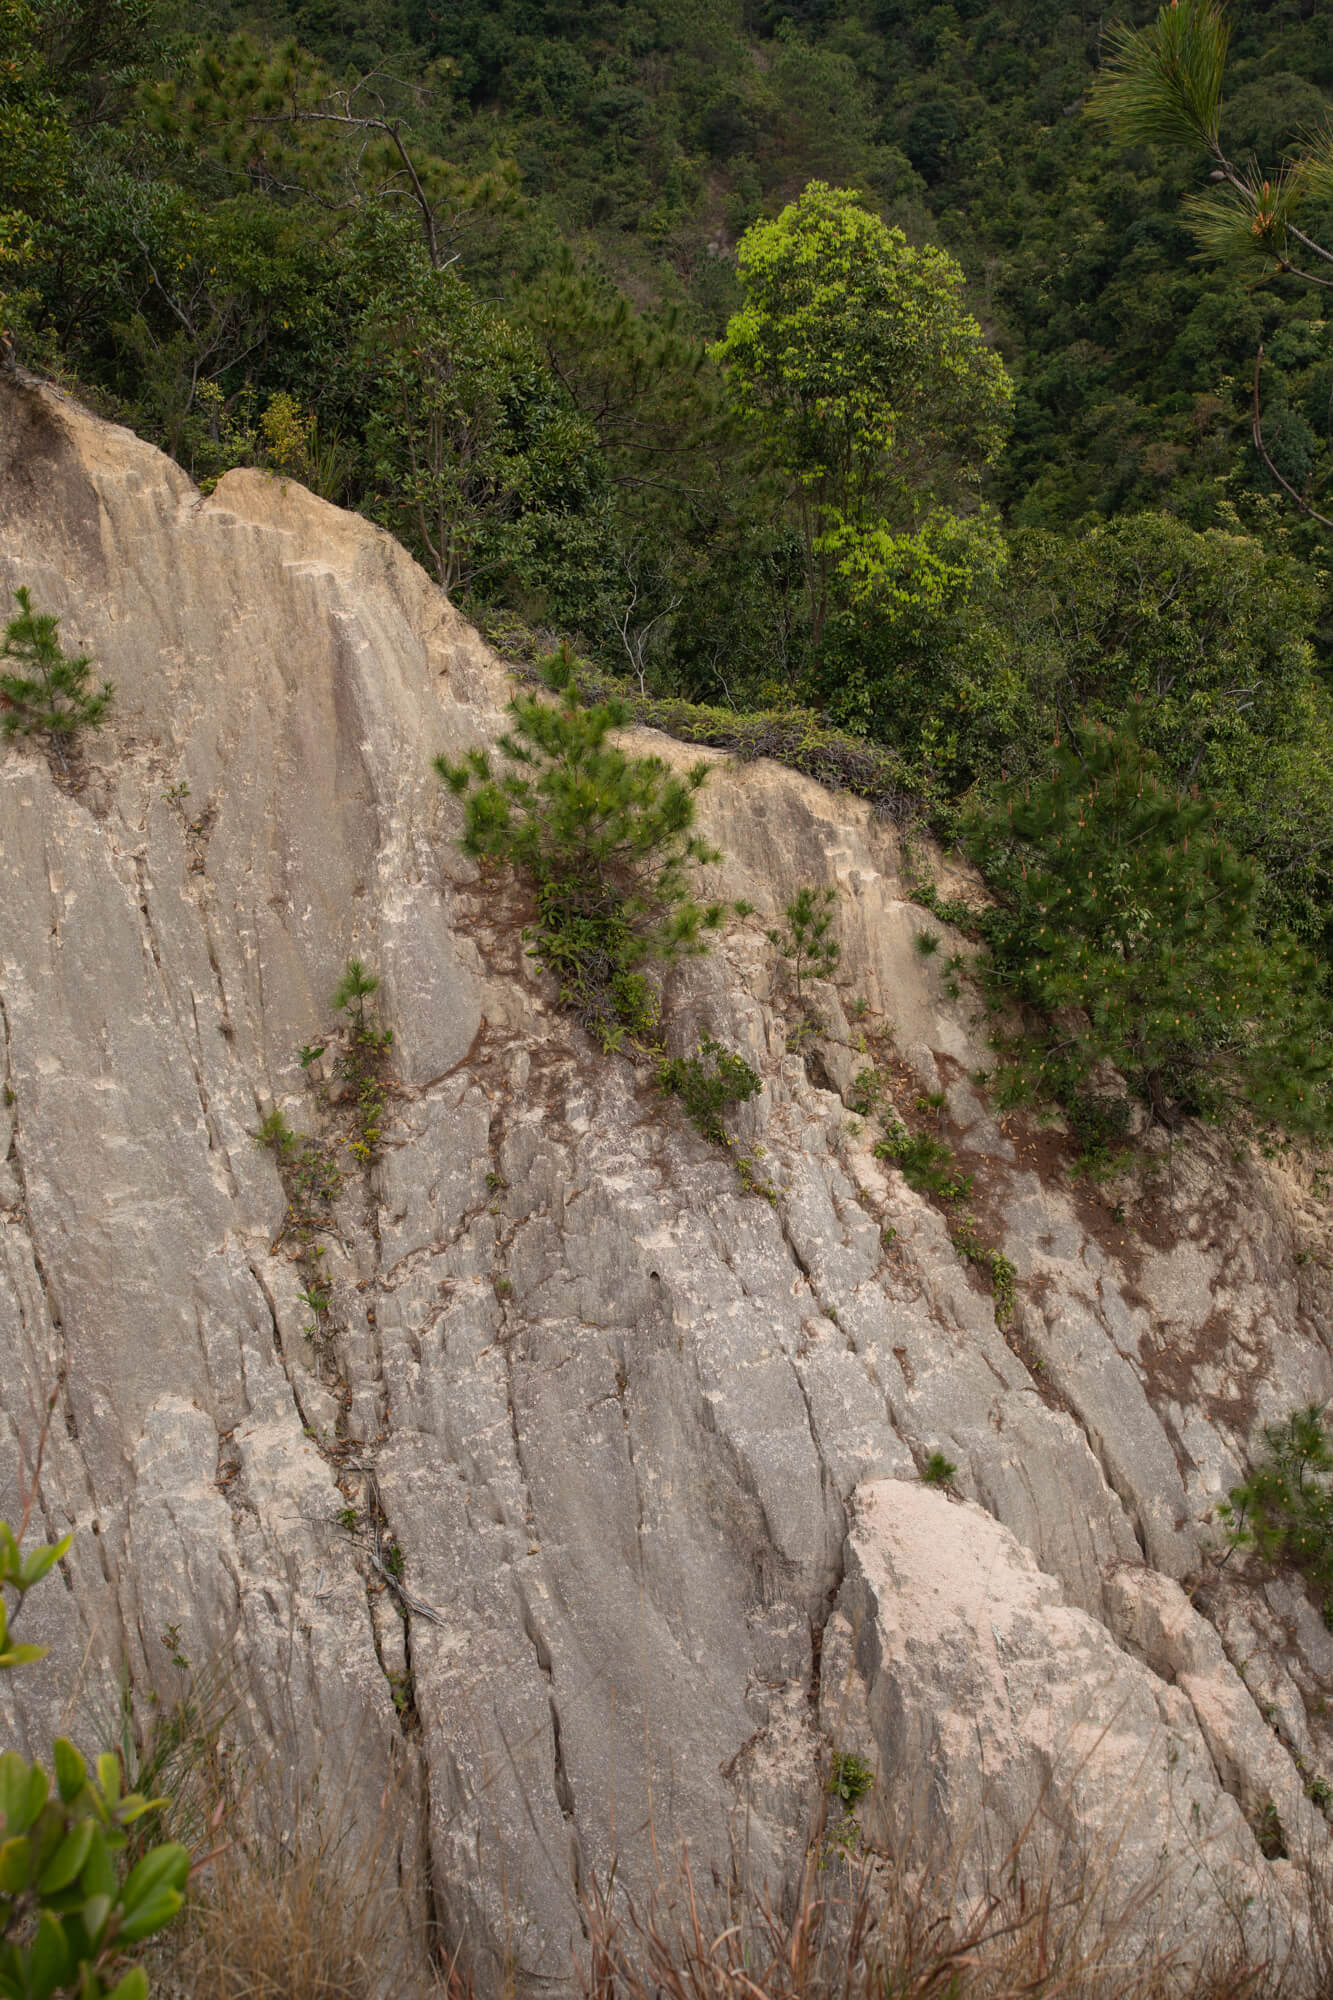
{"x":650,"y":1445}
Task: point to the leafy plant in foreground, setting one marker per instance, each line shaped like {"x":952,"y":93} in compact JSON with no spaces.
{"x":68,"y":1908}
{"x":605,"y":840}
{"x":44,"y":691}
{"x":1130,"y":930}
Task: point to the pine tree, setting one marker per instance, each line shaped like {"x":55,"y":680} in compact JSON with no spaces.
{"x":1127,"y":928}
{"x":606,"y":842}
{"x":46,"y":691}
{"x":806,"y":943}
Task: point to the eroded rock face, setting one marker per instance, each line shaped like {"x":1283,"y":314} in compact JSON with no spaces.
{"x":1043,"y":1740}
{"x":635,"y":1431}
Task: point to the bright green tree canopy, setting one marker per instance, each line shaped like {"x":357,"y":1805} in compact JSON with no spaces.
{"x":869,"y":382}
{"x":855,"y":354}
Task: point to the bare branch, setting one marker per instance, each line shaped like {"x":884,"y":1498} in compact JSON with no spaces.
{"x":1256,"y":426}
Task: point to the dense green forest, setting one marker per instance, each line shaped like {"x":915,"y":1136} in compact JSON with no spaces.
{"x":818,"y":355}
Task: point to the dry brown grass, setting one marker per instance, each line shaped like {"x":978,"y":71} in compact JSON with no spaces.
{"x":307,"y":1905}
{"x":294,"y":1924}
{"x":291,"y":1897}
{"x":869,"y":1932}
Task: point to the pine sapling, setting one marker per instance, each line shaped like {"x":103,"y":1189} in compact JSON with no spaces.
{"x":605,"y":841}
{"x":45,"y":691}
{"x":354,"y":989}
{"x":806,"y":943}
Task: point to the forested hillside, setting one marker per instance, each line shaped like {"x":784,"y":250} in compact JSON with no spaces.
{"x":565,"y":295}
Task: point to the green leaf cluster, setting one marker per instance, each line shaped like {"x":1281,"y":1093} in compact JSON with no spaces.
{"x":605,"y":841}
{"x":1128,"y":927}
{"x":71,"y":1912}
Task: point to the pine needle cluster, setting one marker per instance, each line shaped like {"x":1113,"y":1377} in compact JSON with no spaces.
{"x":1128,"y":931}
{"x":45,"y":691}
{"x":605,"y":840}
{"x":1284,"y":1510}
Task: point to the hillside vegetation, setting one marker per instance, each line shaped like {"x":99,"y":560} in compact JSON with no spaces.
{"x":823,"y":356}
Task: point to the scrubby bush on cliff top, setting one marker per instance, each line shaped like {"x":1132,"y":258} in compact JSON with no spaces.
{"x":1126,"y":929}
{"x":605,"y":840}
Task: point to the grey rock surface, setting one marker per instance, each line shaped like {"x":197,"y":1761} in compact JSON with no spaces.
{"x":630,"y":1427}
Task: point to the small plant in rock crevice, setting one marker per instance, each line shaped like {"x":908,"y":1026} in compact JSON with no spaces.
{"x":275,"y":1133}
{"x":939,"y":1470}
{"x":929,"y":1166}
{"x":311,"y":1176}
{"x":950,"y":910}
{"x":362,"y":1063}
{"x":867,"y":1095}
{"x":850,"y":1779}
{"x":1269,"y":1835}
{"x":753,"y":1180}
{"x":926,"y":1163}
{"x":1004,"y":1286}
{"x":709,"y":1082}
{"x":966,"y":1238}
{"x":606,"y":842}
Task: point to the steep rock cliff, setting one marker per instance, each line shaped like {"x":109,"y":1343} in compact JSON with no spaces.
{"x":649,"y":1444}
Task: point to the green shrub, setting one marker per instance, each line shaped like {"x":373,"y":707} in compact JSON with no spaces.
{"x":939,"y":1470}
{"x":1284,"y":1510}
{"x":708,"y":1083}
{"x":606,"y":842}
{"x":71,"y":1908}
{"x":1128,"y":930}
{"x":798,"y":738}
{"x":926,"y":1163}
{"x":44,"y":691}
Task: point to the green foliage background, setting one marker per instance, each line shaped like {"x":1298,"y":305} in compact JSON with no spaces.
{"x":472,"y":270}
